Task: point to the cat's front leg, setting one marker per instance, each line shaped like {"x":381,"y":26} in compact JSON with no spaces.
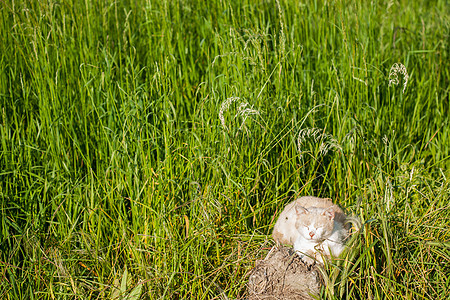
{"x":305,"y":250}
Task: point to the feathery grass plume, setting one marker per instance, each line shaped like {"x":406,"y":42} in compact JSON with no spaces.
{"x":393,"y":75}
{"x":224,"y":107}
{"x":242,"y":110}
{"x":317,"y":135}
{"x":282,"y":35}
{"x":389,"y":195}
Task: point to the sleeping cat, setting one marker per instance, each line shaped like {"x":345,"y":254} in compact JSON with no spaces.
{"x":312,"y":225}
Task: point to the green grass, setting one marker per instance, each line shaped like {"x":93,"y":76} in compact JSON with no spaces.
{"x":118,"y":178}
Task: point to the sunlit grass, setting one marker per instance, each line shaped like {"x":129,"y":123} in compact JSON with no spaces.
{"x":123,"y":172}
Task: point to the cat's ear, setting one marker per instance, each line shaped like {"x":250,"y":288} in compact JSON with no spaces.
{"x":300,"y":209}
{"x":329,"y":213}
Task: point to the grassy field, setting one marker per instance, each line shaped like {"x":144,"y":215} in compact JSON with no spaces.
{"x":148,"y":146}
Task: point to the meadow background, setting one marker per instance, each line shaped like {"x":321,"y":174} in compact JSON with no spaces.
{"x":148,"y":146}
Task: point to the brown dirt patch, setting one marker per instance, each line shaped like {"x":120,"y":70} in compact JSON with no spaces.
{"x":283,"y":275}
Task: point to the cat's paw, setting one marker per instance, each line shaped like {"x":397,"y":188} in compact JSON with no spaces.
{"x":319,"y":259}
{"x":307,"y":260}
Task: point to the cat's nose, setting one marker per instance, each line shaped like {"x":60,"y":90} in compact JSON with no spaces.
{"x":311,"y":234}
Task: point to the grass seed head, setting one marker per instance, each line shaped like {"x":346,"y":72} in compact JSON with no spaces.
{"x":317,"y":135}
{"x":224,"y":107}
{"x":393,"y":75}
{"x":243,"y":110}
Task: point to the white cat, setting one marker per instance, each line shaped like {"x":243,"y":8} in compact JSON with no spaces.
{"x":314,"y":226}
{"x":319,"y":233}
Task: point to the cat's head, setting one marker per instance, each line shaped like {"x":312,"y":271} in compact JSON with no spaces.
{"x":314,"y":224}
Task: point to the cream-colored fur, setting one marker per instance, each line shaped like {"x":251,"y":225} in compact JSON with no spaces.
{"x":313,"y":225}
